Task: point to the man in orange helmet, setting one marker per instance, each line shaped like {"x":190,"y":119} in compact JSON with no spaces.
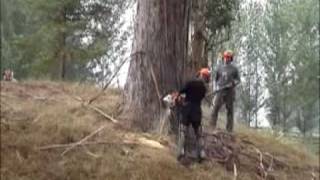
{"x":194,"y":91}
{"x":226,"y":78}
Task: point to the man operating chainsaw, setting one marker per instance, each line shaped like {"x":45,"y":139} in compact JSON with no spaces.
{"x":226,"y":78}
{"x":194,"y":91}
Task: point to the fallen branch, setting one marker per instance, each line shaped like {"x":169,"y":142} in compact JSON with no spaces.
{"x":77,"y":98}
{"x":58,"y":146}
{"x":270,"y":168}
{"x":37,"y":118}
{"x":277,"y":161}
{"x":274,"y":161}
{"x":314,"y":177}
{"x":102,"y":113}
{"x":89,"y":152}
{"x":19,"y":156}
{"x":150,"y":143}
{"x":40,"y":98}
{"x":83,"y":140}
{"x":94,"y":108}
{"x":261,"y":167}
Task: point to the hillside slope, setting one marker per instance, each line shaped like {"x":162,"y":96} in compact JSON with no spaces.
{"x":42,"y":121}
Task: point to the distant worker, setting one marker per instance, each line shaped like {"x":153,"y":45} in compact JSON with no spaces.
{"x":194,"y":91}
{"x":226,"y":79}
{"x":8,"y":75}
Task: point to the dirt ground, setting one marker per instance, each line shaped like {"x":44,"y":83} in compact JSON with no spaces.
{"x":47,"y":133}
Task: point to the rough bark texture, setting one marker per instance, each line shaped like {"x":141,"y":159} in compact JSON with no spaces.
{"x":157,"y":64}
{"x":199,"y":49}
{"x":62,"y":56}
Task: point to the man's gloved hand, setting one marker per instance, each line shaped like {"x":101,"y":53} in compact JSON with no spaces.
{"x":177,"y":98}
{"x":232,"y":84}
{"x":229,"y":85}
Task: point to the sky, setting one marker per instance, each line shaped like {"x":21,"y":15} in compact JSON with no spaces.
{"x":122,"y":76}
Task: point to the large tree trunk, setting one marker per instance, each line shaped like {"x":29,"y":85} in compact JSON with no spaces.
{"x":63,"y":65}
{"x":199,"y":49}
{"x":61,"y":49}
{"x":158,"y":58}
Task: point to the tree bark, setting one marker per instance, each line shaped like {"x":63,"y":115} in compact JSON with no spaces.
{"x":158,"y":59}
{"x":199,"y":49}
{"x":61,"y":49}
{"x":63,"y":65}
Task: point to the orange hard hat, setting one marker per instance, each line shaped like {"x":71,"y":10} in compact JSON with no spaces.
{"x":228,"y":54}
{"x":204,"y":72}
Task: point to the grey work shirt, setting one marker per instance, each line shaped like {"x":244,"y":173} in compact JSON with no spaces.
{"x":227,"y":75}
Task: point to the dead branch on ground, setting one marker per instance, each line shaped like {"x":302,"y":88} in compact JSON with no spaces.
{"x":59,"y":146}
{"x":94,"y":108}
{"x":83,"y":140}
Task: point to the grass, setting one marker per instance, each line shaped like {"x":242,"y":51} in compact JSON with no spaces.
{"x":41,"y":113}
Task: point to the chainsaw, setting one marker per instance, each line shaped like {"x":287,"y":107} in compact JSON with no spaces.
{"x":230,"y":85}
{"x":173,"y":103}
{"x":174,"y":99}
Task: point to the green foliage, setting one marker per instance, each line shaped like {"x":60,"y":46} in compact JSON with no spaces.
{"x":220,"y":15}
{"x":11,"y":30}
{"x":248,"y":37}
{"x":281,"y":38}
{"x":293,"y":64}
{"x":57,"y":37}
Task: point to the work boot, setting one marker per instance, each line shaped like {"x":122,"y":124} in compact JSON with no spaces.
{"x":200,"y":144}
{"x":181,"y":154}
{"x":200,"y":151}
{"x":181,"y":143}
{"x":202,"y":155}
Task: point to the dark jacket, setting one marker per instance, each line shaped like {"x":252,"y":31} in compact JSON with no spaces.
{"x":195,"y":91}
